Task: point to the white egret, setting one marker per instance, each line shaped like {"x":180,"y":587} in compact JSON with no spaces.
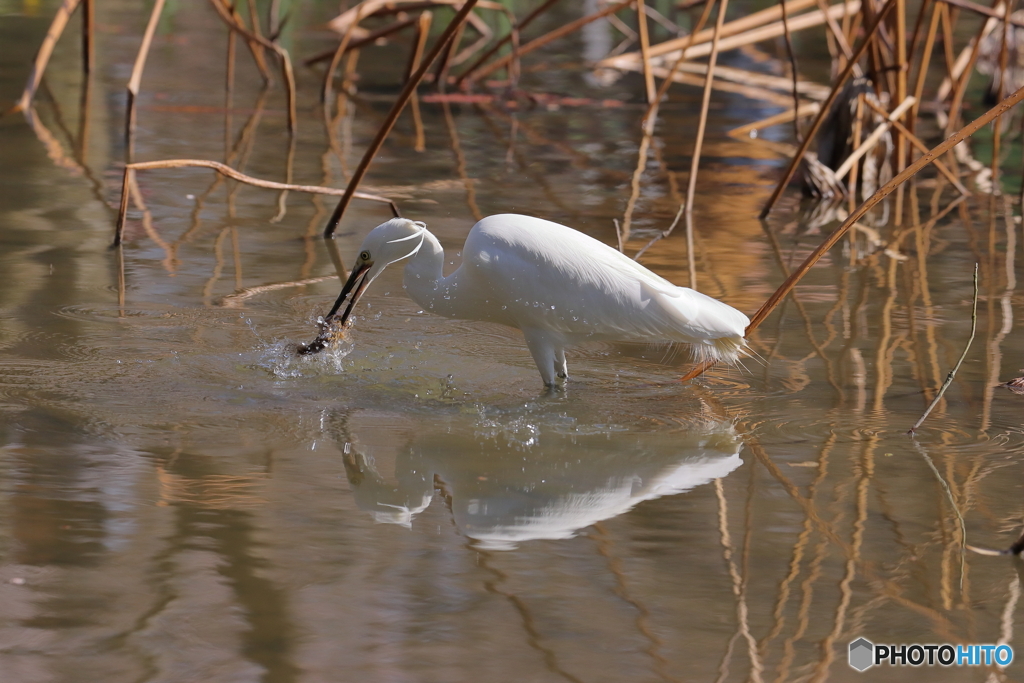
{"x":557,"y":285}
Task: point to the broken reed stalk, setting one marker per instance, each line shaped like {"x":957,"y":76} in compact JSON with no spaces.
{"x":806,"y":109}
{"x":389,"y":122}
{"x":254,"y":19}
{"x":255,"y":49}
{"x":645,"y":48}
{"x":949,"y":143}
{"x":1003,"y":73}
{"x":443,"y":60}
{"x":826,"y":106}
{"x":648,"y":120}
{"x":981,"y":9}
{"x":926,"y":58}
{"x":837,"y":34}
{"x":952,"y":373}
{"x":368,"y":39}
{"x":520,"y":26}
{"x":792,"y":67}
{"x":223,"y":169}
{"x":749,"y":29}
{"x":325,"y":93}
{"x":691,"y":186}
{"x":502,"y":62}
{"x":88,"y":28}
{"x":901,"y":93}
{"x":136,"y":79}
{"x":422,"y":32}
{"x":286,"y":62}
{"x":964,"y":79}
{"x":60,"y":21}
{"x":663,"y":235}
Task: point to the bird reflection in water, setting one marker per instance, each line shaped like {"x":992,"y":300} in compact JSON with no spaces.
{"x":510,"y":485}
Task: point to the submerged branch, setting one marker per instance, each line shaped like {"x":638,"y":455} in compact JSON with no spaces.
{"x":952,"y":373}
{"x":223,"y":169}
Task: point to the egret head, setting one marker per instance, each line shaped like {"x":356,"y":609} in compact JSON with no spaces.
{"x":389,"y":242}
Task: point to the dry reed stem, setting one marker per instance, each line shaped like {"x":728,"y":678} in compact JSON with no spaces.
{"x":136,"y":78}
{"x":825,"y":107}
{"x":368,"y":39}
{"x":325,"y":94}
{"x":691,"y":187}
{"x":872,"y":139}
{"x":1003,"y":73}
{"x":901,"y":95}
{"x":663,"y":235}
{"x":837,"y":34}
{"x":88,"y":29}
{"x":967,"y":56}
{"x":223,"y":169}
{"x":792,"y":67}
{"x":286,"y":62}
{"x":254,"y":19}
{"x":805,"y":109}
{"x":775,"y":30}
{"x":749,"y":91}
{"x":518,"y":27}
{"x":916,"y":142}
{"x":952,"y":373}
{"x":396,"y":110}
{"x":648,"y":119}
{"x":484,"y":72}
{"x":237,"y":299}
{"x":786,"y":287}
{"x":422,"y":33}
{"x":382,"y":8}
{"x":858,"y":131}
{"x":60,"y":21}
{"x":443,"y":60}
{"x":258,"y":55}
{"x":981,"y":9}
{"x":645,"y":48}
{"x":918,"y":23}
{"x":697,"y":36}
{"x":926,"y":58}
{"x":965,"y":77}
{"x":813,"y":90}
{"x":750,"y":24}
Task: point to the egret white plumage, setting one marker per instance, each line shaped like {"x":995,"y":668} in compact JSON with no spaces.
{"x":558,"y":285}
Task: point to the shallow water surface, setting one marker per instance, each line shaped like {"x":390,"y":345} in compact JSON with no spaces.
{"x":184,"y":499}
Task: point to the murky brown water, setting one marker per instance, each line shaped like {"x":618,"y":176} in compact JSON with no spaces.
{"x":183,"y":500}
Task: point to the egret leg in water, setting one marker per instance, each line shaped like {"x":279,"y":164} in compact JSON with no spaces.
{"x":557,"y":285}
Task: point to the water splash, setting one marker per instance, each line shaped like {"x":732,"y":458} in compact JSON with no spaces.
{"x":278,"y":357}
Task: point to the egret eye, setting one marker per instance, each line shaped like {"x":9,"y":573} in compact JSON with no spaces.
{"x":365,"y":256}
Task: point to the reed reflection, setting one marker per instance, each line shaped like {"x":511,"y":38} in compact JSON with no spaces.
{"x":507,"y":481}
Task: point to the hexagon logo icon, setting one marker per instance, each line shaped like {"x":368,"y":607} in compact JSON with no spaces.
{"x":862,"y":654}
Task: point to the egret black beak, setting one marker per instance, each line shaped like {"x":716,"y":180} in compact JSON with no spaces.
{"x":360,"y":274}
{"x":360,"y":270}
